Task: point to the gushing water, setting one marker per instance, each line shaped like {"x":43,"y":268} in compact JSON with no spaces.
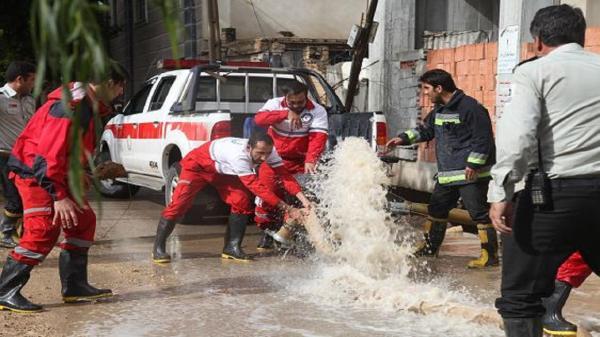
{"x":360,"y":282}
{"x":363,"y":256}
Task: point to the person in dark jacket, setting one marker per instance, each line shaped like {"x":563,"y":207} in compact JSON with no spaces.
{"x":465,"y":154}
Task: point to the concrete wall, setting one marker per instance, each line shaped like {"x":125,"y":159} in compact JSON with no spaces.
{"x":331,"y":19}
{"x":393,"y":76}
{"x":150,"y":40}
{"x":456,"y":16}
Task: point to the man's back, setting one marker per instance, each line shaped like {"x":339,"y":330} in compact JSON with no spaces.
{"x":566,"y":81}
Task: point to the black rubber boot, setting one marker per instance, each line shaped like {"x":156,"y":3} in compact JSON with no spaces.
{"x":8,"y":227}
{"x":72,"y":266}
{"x":489,"y":247}
{"x":163,"y":230}
{"x":234,"y":236}
{"x":553,"y":321}
{"x":266,"y":242}
{"x":14,"y":277}
{"x":434,"y":234}
{"x":523,"y":327}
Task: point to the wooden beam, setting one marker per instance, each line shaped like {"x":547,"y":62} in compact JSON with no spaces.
{"x":359,"y":53}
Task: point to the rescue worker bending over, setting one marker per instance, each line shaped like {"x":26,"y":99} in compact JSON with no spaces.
{"x":465,"y":153}
{"x":229,"y":165}
{"x":299,"y":129}
{"x":39,"y":165}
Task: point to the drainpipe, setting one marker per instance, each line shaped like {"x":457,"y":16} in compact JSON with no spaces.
{"x":129,"y":46}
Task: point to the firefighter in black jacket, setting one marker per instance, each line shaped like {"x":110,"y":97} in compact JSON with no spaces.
{"x":465,"y":154}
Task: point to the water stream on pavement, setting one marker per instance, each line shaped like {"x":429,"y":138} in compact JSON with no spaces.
{"x":362,"y":281}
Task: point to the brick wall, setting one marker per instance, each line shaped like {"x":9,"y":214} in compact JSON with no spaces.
{"x":474,"y":70}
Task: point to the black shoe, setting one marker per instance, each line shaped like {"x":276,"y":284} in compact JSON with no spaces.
{"x":7,"y":240}
{"x":553,"y":321}
{"x":265,"y":243}
{"x":523,"y":327}
{"x":72,"y":266}
{"x":163,"y":230}
{"x":8,"y":226}
{"x":434,"y":234}
{"x":236,"y":228}
{"x":14,"y":277}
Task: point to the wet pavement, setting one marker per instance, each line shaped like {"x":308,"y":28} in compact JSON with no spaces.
{"x":201,"y":295}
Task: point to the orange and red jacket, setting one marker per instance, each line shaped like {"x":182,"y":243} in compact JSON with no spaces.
{"x":303,"y":145}
{"x":42,"y":151}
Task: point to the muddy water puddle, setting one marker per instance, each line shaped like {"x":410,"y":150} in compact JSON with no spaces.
{"x":369,"y":285}
{"x":266,"y":298}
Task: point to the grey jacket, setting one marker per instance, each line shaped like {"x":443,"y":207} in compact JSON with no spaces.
{"x":555,"y":99}
{"x":14,"y":114}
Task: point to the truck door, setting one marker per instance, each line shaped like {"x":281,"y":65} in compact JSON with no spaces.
{"x":128,"y":130}
{"x":151,"y":129}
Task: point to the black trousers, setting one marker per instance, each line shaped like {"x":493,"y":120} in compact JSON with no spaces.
{"x":12,"y":202}
{"x":528,"y":271}
{"x":474,"y":196}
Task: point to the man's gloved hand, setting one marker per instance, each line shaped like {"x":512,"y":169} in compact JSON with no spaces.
{"x":109,"y":170}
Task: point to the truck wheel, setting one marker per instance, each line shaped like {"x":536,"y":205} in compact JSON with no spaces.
{"x":111,"y":188}
{"x":172,"y":181}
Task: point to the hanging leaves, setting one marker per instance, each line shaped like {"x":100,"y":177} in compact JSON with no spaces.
{"x":69,"y":44}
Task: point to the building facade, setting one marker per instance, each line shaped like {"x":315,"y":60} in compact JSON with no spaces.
{"x":266,"y":30}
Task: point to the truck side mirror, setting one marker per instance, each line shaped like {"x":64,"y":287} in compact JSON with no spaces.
{"x":177,"y":108}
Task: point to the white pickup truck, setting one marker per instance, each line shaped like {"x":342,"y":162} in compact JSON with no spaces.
{"x":179,"y":110}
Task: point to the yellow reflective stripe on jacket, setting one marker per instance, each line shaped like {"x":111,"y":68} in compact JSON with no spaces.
{"x":441,"y":119}
{"x":449,"y":177}
{"x":477,"y":158}
{"x":446,"y":121}
{"x":413,"y":135}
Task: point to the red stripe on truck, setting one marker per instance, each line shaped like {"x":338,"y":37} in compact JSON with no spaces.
{"x":192,"y":131}
{"x":149,"y":130}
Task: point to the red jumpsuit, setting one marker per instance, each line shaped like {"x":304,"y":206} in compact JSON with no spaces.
{"x":227,"y":165}
{"x":296,"y":146}
{"x":574,"y":270}
{"x":39,"y":161}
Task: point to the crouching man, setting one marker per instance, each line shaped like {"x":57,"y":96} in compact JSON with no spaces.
{"x":229,"y":165}
{"x":39,"y":162}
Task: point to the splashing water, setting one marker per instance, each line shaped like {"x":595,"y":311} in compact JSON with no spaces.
{"x":363,"y":257}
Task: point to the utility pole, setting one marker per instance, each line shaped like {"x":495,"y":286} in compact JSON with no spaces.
{"x":359,"y":53}
{"x":214,"y":35}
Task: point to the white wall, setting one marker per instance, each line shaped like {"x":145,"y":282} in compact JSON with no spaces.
{"x":322,"y":19}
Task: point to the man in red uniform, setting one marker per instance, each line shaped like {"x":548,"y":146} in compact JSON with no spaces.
{"x":571,"y":274}
{"x":299,"y":129}
{"x":229,"y":165}
{"x":39,"y":162}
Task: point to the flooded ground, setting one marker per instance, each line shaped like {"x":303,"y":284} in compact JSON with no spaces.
{"x":362,"y":281}
{"x":200,"y":295}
